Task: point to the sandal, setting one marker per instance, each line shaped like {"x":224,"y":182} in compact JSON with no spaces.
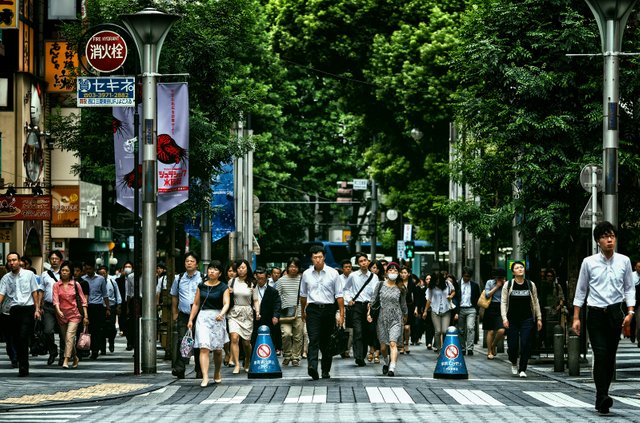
{"x":370,"y":357}
{"x":376,"y":359}
{"x":490,"y":356}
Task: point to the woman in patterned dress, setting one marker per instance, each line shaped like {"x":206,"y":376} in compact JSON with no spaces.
{"x":210,"y":306}
{"x":390,"y":296}
{"x":241,"y":314}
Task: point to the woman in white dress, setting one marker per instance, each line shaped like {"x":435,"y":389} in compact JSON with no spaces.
{"x":241,"y":314}
{"x":210,"y":306}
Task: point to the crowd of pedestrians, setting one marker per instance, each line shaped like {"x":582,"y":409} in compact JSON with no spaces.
{"x":384,"y":307}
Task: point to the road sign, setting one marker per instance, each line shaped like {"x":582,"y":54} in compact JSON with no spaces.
{"x":400,"y":249}
{"x":106,"y":91}
{"x":407,"y":234}
{"x":360,"y":184}
{"x":106,"y":51}
{"x":585,"y":217}
{"x":586,"y":177}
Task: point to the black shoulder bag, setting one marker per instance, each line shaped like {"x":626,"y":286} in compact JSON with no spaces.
{"x":349,"y":310}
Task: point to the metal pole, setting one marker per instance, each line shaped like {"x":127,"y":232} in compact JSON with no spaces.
{"x":149,"y":28}
{"x":594,"y":206}
{"x":373,"y":221}
{"x":610,"y":123}
{"x":135,"y":303}
{"x":206,"y":238}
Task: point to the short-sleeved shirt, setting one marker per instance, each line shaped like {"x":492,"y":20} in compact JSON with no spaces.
{"x":321,"y":287}
{"x":18,"y":288}
{"x":184,"y":287}
{"x":97,"y":289}
{"x":497,"y":296}
{"x":47,"y":282}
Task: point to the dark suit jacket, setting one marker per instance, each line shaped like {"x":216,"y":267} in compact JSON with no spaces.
{"x":269,"y":306}
{"x":475,"y":295}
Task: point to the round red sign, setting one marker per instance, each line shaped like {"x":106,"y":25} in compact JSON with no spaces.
{"x":264,"y":351}
{"x":106,"y":51}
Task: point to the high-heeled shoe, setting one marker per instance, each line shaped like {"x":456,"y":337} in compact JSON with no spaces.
{"x":231,"y":364}
{"x":65,"y":366}
{"x":236,"y":370}
{"x":204,"y":383}
{"x":217,"y":378}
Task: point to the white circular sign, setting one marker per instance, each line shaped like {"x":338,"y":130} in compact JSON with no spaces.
{"x":392,"y":214}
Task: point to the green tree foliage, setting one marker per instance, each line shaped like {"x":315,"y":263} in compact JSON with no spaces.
{"x":529,"y":115}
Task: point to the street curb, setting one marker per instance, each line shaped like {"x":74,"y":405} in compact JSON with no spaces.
{"x":154,"y":386}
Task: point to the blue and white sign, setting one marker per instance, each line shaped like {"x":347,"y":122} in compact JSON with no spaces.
{"x":106,"y":91}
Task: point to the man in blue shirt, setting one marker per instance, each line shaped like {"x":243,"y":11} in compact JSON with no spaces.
{"x":606,"y":282}
{"x":98,"y":308}
{"x":183,"y":293}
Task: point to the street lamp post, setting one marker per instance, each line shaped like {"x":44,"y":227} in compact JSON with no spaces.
{"x":149,"y":28}
{"x":611,"y":16}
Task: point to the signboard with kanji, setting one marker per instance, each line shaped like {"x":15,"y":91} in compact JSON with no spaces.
{"x":8,"y":14}
{"x":59,"y":66}
{"x":106,"y":51}
{"x":106,"y":91}
{"x":65,"y":206}
{"x":25,"y":207}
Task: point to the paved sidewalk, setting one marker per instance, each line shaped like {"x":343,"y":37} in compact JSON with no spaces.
{"x":111,"y":377}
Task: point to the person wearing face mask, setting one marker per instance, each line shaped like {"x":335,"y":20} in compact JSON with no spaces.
{"x":391,"y":296}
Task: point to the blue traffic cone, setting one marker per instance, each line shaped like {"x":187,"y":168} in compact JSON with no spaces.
{"x":264,"y":363}
{"x":450,"y":363}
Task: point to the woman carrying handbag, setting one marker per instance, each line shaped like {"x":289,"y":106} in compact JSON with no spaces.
{"x":71,"y":309}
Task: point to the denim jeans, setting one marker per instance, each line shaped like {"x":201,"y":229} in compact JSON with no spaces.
{"x":519,"y":341}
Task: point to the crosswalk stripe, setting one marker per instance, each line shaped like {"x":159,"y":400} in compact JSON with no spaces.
{"x":375,"y":396}
{"x":472,"y":397}
{"x":386,"y":395}
{"x":49,"y":415}
{"x":629,"y":401}
{"x":228,"y":395}
{"x":557,"y":399}
{"x":306,"y":394}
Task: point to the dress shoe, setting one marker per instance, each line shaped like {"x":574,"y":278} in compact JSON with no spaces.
{"x":605,"y":405}
{"x":179,"y":375}
{"x":326,"y":375}
{"x":313,"y":373}
{"x":103,"y":352}
{"x":360,"y":362}
{"x":111,"y":347}
{"x":385,"y":369}
{"x":23,"y":372}
{"x":129,"y":347}
{"x":60,"y":360}
{"x":390,"y":373}
{"x":94,"y":356}
{"x":52,"y":358}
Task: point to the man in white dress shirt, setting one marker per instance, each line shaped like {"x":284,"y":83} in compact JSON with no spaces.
{"x":320,"y":289}
{"x":606,"y":282}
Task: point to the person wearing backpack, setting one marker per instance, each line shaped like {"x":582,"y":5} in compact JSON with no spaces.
{"x":47,"y":280}
{"x":520,"y":311}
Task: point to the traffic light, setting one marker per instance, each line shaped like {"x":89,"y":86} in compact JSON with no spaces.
{"x":409,"y":247}
{"x":124,"y":245}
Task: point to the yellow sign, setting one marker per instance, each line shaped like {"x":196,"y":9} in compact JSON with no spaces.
{"x":59,"y":66}
{"x":8,"y":14}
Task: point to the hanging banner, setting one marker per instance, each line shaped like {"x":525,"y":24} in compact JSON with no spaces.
{"x":8,"y":14}
{"x":172,"y":148}
{"x":223,"y":219}
{"x":173,"y":144}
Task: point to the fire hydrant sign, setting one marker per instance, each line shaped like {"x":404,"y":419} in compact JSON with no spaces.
{"x":106,"y":51}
